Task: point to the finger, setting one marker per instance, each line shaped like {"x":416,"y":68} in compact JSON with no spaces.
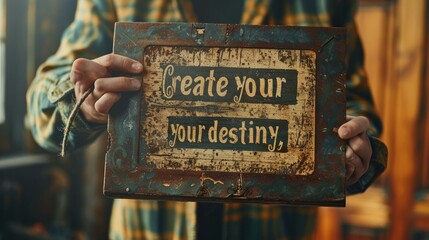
{"x":90,"y":113}
{"x":354,"y":127}
{"x":356,"y":165}
{"x":84,"y":72}
{"x":105,"y":103}
{"x":119,"y":63}
{"x":115,"y":84}
{"x":361,"y":146}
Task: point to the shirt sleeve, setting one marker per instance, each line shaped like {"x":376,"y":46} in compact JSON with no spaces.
{"x":50,"y":97}
{"x":359,"y":98}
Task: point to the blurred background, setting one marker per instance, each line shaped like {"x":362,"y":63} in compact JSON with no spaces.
{"x":44,"y":195}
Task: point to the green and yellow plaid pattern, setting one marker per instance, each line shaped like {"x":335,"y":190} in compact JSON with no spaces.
{"x":50,"y":100}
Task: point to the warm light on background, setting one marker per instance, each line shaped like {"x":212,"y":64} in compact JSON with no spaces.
{"x":2,"y":59}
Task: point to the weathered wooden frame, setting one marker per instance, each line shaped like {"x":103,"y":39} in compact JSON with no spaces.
{"x":128,"y":174}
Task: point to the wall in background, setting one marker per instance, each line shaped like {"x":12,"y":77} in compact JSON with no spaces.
{"x":395,"y":39}
{"x":32,"y":31}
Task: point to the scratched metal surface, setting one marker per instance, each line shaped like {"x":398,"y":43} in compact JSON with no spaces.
{"x":135,"y":166}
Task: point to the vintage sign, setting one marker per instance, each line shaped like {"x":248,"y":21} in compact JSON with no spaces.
{"x":230,"y":113}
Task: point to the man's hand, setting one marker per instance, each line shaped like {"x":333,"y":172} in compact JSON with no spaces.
{"x":107,"y":89}
{"x":359,"y":151}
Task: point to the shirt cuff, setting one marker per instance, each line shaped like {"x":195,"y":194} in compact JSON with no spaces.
{"x":81,"y":132}
{"x":377,"y":166}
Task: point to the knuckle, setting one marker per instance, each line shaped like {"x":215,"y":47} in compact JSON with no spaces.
{"x":99,"y":86}
{"x":76,"y":72}
{"x":100,"y":108}
{"x":128,"y":82}
{"x":125,"y":82}
{"x":122,"y":80}
{"x":87,"y":112}
{"x":349,"y":152}
{"x":79,"y":63}
{"x":91,"y":114}
{"x":124,"y":63}
{"x":359,"y":143}
{"x":109,"y":59}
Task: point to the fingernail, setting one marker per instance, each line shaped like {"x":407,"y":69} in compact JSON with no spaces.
{"x":344,"y":131}
{"x":136,"y":66}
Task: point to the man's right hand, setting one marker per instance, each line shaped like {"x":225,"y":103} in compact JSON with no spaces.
{"x":107,"y":89}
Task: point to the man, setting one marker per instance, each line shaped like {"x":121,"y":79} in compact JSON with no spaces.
{"x":84,"y":59}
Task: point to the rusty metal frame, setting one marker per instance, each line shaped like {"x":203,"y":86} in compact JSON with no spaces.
{"x":128,"y":176}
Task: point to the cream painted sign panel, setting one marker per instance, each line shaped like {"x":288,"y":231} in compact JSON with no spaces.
{"x":230,"y":109}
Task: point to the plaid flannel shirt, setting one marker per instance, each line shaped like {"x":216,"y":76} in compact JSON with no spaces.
{"x":50,"y":101}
